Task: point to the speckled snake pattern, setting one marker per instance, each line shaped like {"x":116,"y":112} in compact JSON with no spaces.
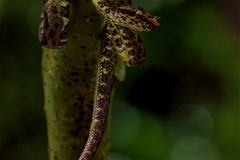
{"x":54,"y":23}
{"x":106,"y":66}
{"x":120,"y":38}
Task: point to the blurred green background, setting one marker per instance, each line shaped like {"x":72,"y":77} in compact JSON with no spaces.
{"x":181,"y":104}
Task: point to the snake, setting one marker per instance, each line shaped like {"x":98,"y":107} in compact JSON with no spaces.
{"x":119,"y":39}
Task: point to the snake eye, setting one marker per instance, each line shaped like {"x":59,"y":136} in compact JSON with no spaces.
{"x":56,"y":25}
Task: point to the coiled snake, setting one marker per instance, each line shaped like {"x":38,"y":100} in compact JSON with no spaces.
{"x":119,"y":38}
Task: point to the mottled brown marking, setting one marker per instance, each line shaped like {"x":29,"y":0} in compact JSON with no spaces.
{"x":123,"y":14}
{"x":53,"y":30}
{"x":133,"y":53}
{"x":106,"y":66}
{"x":119,"y":37}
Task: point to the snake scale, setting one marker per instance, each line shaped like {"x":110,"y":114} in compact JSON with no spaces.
{"x":120,"y":38}
{"x":53,"y":30}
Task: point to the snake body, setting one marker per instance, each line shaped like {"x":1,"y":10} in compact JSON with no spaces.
{"x":54,"y":23}
{"x":129,"y":45}
{"x":123,"y":14}
{"x":106,"y":66}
